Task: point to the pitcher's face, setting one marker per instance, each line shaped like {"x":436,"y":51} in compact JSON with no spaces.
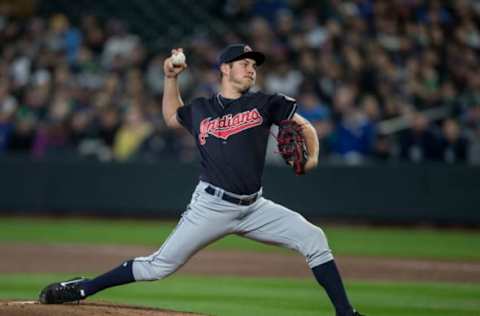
{"x":242,"y":74}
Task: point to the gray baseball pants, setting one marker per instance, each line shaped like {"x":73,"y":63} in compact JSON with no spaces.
{"x":209,"y":218}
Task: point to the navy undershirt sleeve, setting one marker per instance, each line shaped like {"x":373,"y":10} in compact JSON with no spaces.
{"x":281,"y":107}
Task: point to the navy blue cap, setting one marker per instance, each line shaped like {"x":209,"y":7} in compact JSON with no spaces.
{"x":240,"y":51}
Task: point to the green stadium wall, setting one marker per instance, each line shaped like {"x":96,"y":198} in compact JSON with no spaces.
{"x":379,"y":193}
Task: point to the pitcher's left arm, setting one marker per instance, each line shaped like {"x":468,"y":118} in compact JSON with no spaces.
{"x":311,"y":141}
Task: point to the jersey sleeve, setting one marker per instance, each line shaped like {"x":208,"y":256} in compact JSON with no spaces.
{"x":184,"y":116}
{"x":281,"y":107}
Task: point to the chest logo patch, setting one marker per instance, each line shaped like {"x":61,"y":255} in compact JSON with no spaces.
{"x":228,"y":125}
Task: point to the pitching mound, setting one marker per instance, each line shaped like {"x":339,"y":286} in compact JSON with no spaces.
{"x":33,"y":308}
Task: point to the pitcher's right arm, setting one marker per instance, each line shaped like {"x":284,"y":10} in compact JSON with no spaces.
{"x":172,"y":99}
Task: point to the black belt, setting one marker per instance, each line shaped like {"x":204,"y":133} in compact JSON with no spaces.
{"x":229,"y":198}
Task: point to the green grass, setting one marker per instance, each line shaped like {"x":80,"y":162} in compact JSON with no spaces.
{"x":231,"y":296}
{"x":344,"y":240}
{"x":405,"y":243}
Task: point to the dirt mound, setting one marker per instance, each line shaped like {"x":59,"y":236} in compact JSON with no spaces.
{"x":32,"y":308}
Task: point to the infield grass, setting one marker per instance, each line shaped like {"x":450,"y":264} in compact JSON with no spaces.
{"x":344,"y":240}
{"x":232,"y":296}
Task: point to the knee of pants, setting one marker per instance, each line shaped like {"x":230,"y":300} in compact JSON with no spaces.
{"x":154,"y":268}
{"x":315,"y":247}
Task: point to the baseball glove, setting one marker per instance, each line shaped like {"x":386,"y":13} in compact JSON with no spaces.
{"x":291,"y":145}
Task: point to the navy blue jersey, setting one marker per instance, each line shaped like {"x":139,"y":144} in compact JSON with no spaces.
{"x":232,"y":136}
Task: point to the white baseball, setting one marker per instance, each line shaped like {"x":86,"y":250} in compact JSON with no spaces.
{"x":178,"y":59}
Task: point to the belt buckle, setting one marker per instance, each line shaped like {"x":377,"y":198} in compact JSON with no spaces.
{"x":248,"y":201}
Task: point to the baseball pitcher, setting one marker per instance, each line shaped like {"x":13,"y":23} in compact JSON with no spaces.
{"x":231,"y":130}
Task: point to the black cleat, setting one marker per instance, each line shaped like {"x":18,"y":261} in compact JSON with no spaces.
{"x":355,"y":313}
{"x":63,"y":292}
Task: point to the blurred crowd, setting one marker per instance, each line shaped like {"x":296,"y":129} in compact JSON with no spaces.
{"x":380,"y":80}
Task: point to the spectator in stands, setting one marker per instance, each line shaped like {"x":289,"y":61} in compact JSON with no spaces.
{"x":354,"y":134}
{"x":404,"y":56}
{"x":472,"y":122}
{"x":453,"y":145}
{"x":131,"y":134}
{"x":81,"y":129}
{"x":319,"y":115}
{"x":51,"y":139}
{"x":284,"y":78}
{"x":122,"y":49}
{"x":62,"y":37}
{"x":6,"y":127}
{"x":23,"y":134}
{"x":107,"y":126}
{"x":8,"y":107}
{"x":93,"y":34}
{"x":419,"y":143}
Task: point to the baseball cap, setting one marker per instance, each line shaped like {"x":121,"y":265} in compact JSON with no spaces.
{"x":240,"y":51}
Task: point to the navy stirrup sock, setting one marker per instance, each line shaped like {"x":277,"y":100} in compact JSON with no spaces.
{"x":122,"y":274}
{"x":328,"y":276}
